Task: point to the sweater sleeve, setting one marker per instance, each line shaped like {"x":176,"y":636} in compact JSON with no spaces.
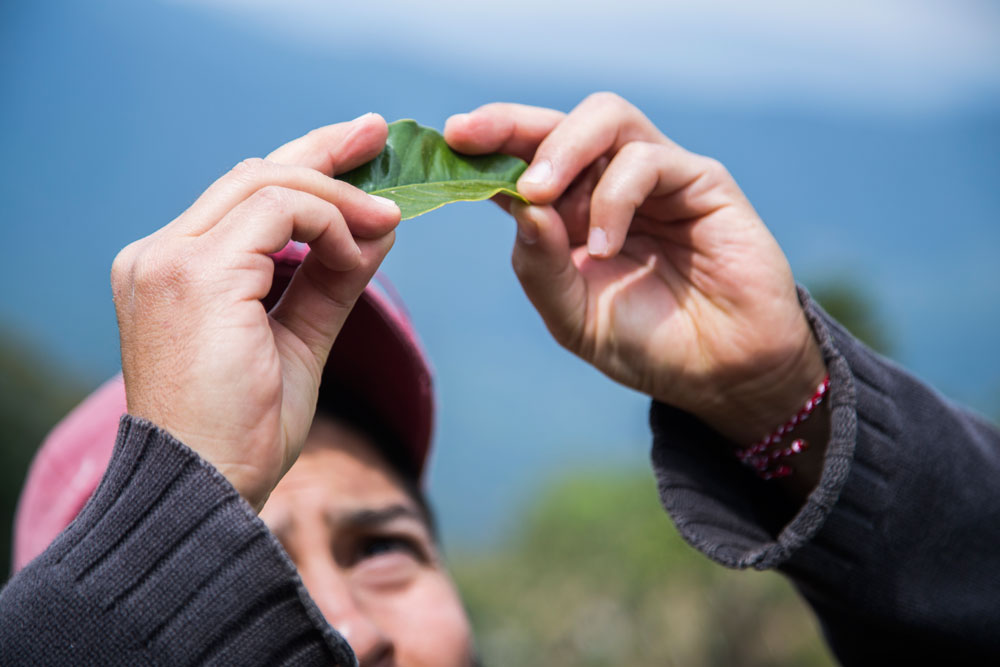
{"x":166,"y":564}
{"x":898,"y":547}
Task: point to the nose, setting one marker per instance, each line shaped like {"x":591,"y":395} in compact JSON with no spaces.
{"x":371,"y":647}
{"x":332,"y":593}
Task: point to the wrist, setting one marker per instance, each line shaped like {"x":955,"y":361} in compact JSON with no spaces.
{"x":750,"y":407}
{"x":249,"y":481}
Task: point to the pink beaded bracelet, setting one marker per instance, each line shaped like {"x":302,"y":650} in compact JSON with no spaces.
{"x":768,"y":463}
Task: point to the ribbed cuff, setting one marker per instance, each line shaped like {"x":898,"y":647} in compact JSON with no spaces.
{"x":169,"y":565}
{"x":896,"y":547}
{"x":725,"y":511}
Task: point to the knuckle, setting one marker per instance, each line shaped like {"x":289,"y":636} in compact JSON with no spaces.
{"x":606,"y":99}
{"x":639,"y":151}
{"x":148,"y":270}
{"x":272,"y":198}
{"x":250,"y":168}
{"x":121,"y":266}
{"x":715,"y":169}
{"x":714,"y":184}
{"x":161,"y":268}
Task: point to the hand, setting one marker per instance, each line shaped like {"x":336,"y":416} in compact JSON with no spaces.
{"x":648,"y":262}
{"x":200,"y":355}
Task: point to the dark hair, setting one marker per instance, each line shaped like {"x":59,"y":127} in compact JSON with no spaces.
{"x":345,"y":407}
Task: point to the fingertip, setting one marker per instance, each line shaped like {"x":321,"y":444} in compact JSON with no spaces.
{"x":369,"y":127}
{"x":455,"y":125}
{"x":528,"y":231}
{"x":598,"y":245}
{"x":536,"y":183}
{"x":388,"y":208}
{"x":461,"y":134}
{"x":370,"y":117}
{"x":377,"y":120}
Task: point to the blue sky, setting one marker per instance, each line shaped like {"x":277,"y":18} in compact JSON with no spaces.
{"x":867,"y":135}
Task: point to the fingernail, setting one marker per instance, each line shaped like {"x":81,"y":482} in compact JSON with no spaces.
{"x":597,"y":242}
{"x":387,"y":204}
{"x":364,"y":115}
{"x":527,"y":230}
{"x":539,"y":173}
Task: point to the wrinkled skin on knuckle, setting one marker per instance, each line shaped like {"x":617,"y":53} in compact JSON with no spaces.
{"x":272,"y":199}
{"x":607,"y":101}
{"x":640,"y":151}
{"x":251,"y":170}
{"x":715,"y":187}
{"x":164,"y":272}
{"x":715,"y":171}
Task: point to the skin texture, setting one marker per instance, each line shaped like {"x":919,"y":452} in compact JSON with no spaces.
{"x":200,"y":355}
{"x":648,"y":262}
{"x":642,"y":258}
{"x":366,"y":555}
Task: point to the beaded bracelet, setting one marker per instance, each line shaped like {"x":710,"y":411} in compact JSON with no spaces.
{"x":768,"y":464}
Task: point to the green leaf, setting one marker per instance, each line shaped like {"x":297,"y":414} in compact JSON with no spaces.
{"x":418,"y":171}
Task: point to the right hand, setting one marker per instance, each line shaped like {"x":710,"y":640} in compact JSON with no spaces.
{"x":648,"y":262}
{"x":201,"y":356}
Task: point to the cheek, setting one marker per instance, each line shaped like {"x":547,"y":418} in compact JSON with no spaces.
{"x":427,"y":624}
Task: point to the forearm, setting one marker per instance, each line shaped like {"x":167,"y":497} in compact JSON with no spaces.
{"x":894,"y":546}
{"x":165,"y":564}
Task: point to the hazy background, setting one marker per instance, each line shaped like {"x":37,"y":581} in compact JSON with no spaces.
{"x":866,"y":134}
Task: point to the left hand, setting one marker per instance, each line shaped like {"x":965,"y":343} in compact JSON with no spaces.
{"x":201,"y":357}
{"x":648,"y":262}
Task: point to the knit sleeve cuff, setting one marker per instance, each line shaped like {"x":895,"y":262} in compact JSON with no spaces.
{"x":729,"y":514}
{"x":167,"y":562}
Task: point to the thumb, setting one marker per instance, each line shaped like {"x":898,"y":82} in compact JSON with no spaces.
{"x":544,"y":264}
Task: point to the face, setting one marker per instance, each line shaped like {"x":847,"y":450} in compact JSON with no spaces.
{"x":366,"y":555}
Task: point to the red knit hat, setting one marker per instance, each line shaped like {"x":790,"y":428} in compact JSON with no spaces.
{"x":377,"y":356}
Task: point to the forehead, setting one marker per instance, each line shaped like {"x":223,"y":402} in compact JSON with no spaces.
{"x":339,"y":470}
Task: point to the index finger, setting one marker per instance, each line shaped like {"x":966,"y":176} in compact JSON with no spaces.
{"x":600,"y":125}
{"x":512,"y":129}
{"x":335,"y":149}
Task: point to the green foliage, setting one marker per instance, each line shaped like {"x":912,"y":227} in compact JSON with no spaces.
{"x":418,"y":171}
{"x":596,"y":575}
{"x":33,"y":397}
{"x":852,"y":306}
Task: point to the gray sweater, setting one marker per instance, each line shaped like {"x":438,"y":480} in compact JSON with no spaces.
{"x":897,"y":550}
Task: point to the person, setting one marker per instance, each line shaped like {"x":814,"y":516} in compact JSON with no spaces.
{"x":643,"y":259}
{"x":350,"y":513}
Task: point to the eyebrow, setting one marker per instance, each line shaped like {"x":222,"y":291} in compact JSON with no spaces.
{"x":368,"y":518}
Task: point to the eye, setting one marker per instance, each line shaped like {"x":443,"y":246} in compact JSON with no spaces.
{"x":379,"y":545}
{"x":387,"y":563}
